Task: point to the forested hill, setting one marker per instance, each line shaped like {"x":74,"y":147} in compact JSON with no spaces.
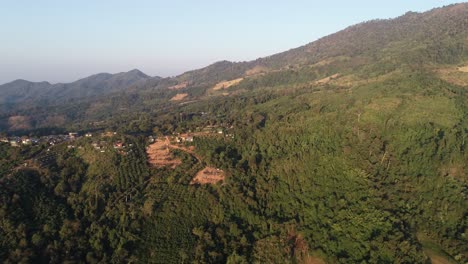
{"x":351,"y":149}
{"x":436,"y":36}
{"x":20,"y":91}
{"x":424,"y":41}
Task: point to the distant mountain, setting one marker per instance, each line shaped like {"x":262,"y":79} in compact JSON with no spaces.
{"x":99,"y":84}
{"x":20,"y":90}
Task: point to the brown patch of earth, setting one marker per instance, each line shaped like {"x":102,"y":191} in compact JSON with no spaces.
{"x":436,"y":259}
{"x":256,"y":70}
{"x":353,"y":80}
{"x":208,"y":175}
{"x":159,"y":155}
{"x":328,"y":79}
{"x":456,"y":170}
{"x":19,"y":122}
{"x":313,"y":260}
{"x":454,"y":75}
{"x":179,"y":86}
{"x":179,"y":97}
{"x":463,"y":69}
{"x":227,"y":84}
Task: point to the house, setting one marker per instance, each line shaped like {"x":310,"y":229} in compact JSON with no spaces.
{"x":189,"y":139}
{"x":88,"y":135}
{"x":14,"y":142}
{"x":26,"y":141}
{"x":118,"y":145}
{"x":4,"y":140}
{"x":96,"y":146}
{"x":73,"y":135}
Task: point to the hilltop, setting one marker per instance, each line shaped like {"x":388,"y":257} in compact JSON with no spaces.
{"x":21,"y":91}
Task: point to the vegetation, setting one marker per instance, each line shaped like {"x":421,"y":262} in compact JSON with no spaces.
{"x":366,"y":167}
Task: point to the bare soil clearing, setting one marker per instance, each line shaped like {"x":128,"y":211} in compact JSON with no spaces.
{"x":19,"y":122}
{"x":208,"y":175}
{"x":454,"y":75}
{"x":160,"y":156}
{"x":256,"y":70}
{"x":436,"y":259}
{"x":179,"y":97}
{"x":328,"y":79}
{"x":227,"y":84}
{"x":178,"y":86}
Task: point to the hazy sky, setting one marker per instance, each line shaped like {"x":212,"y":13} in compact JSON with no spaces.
{"x":61,"y":41}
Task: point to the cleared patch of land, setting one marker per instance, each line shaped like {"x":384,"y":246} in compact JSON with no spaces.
{"x":454,"y":75}
{"x":463,"y":69}
{"x":179,"y":97}
{"x":256,"y":70}
{"x":179,"y":86}
{"x":328,"y":79}
{"x":208,"y":175}
{"x":353,"y":80}
{"x":313,"y":260}
{"x":434,"y":251}
{"x":159,"y":155}
{"x":455,"y":169}
{"x":19,"y":122}
{"x":436,"y":259}
{"x":227,"y":84}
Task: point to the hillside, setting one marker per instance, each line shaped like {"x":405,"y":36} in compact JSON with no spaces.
{"x":350,"y":149}
{"x":20,"y":91}
{"x":437,"y":36}
{"x":428,"y":41}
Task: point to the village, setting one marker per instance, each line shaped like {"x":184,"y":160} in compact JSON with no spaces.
{"x":159,"y":148}
{"x":51,"y":140}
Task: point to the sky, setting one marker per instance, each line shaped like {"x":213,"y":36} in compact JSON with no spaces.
{"x":62,"y":41}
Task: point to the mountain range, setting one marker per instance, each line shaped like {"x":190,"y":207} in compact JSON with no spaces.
{"x":20,"y":91}
{"x":434,"y":37}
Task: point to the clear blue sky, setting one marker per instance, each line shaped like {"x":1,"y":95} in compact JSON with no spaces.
{"x":61,"y":41}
